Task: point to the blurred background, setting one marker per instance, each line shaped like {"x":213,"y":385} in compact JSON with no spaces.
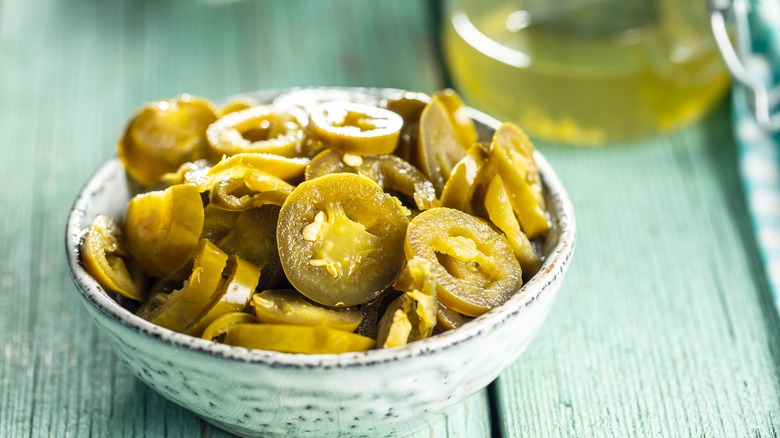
{"x":666,"y":325}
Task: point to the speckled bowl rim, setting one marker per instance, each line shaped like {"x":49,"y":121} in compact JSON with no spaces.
{"x":530,"y":292}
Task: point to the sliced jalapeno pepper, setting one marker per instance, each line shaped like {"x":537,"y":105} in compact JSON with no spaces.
{"x":340,"y":239}
{"x":184,"y":306}
{"x":355,"y":128}
{"x":501,"y":214}
{"x":287,"y":306}
{"x":287,"y":169}
{"x":372,"y":312}
{"x":465,"y":130}
{"x":388,"y":171}
{"x":473,"y":266}
{"x":232,"y":296}
{"x":412,"y":316}
{"x":296,"y":338}
{"x":409,"y":106}
{"x":439,"y":148}
{"x":409,"y":318}
{"x":163,"y":228}
{"x":220,"y":326}
{"x":448,"y":319}
{"x":191,"y":172}
{"x":255,"y":129}
{"x":253,"y":238}
{"x":242,"y":189}
{"x":164,"y":135}
{"x":152,"y":304}
{"x":510,"y":154}
{"x":466,"y":176}
{"x":103,"y":255}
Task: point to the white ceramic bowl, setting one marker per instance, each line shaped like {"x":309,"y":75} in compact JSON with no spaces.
{"x":266,"y":393}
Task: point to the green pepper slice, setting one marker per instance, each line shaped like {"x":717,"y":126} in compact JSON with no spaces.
{"x":217,"y":224}
{"x":184,"y":306}
{"x":242,"y":189}
{"x":288,"y":306}
{"x":388,"y":171}
{"x":466,"y":176}
{"x":296,"y":339}
{"x":473,"y":266}
{"x":412,"y":316}
{"x":253,"y":238}
{"x":439,"y":147}
{"x":448,"y":319}
{"x":164,"y":135}
{"x":500,"y":211}
{"x":163,"y":228}
{"x":191,"y":172}
{"x":514,"y":162}
{"x":220,"y":326}
{"x":355,"y":128}
{"x":465,"y":130}
{"x":409,"y":106}
{"x":288,"y":169}
{"x":340,"y":239}
{"x":104,"y":257}
{"x":233,"y":296}
{"x":255,"y":129}
{"x":153,"y":303}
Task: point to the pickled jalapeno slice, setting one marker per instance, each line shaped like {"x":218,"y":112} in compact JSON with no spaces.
{"x":503,"y":217}
{"x":288,"y":306}
{"x":355,"y":128}
{"x":512,"y":158}
{"x":104,"y":256}
{"x":164,"y":135}
{"x":412,"y":316}
{"x":296,"y":338}
{"x":256,"y":129}
{"x":220,"y":326}
{"x":473,"y":266}
{"x":232,"y":296}
{"x":185,"y":306}
{"x":341,"y":239}
{"x":448,"y":319}
{"x":163,"y":228}
{"x":439,"y":146}
{"x":253,"y":238}
{"x":465,"y":130}
{"x":288,"y":169}
{"x":242,"y":189}
{"x":467,"y":175}
{"x":388,"y":171}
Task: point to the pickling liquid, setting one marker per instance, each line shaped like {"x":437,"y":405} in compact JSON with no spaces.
{"x":603,"y":71}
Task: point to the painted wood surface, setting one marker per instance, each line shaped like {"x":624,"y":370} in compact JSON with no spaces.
{"x":663,"y":327}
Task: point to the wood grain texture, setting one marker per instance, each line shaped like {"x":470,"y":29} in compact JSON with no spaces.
{"x":72,"y":72}
{"x":663,"y":326}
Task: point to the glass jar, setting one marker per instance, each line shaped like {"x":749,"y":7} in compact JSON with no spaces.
{"x":585,"y":72}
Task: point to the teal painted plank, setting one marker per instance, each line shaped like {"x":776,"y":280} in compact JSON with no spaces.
{"x":73,"y":72}
{"x":663,"y":326}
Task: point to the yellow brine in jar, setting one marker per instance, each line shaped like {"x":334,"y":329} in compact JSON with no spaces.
{"x":585,"y":72}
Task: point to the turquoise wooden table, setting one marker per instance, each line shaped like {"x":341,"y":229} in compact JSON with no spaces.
{"x":664,"y":326}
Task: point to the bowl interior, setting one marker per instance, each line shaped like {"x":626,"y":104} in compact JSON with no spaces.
{"x":108,"y":191}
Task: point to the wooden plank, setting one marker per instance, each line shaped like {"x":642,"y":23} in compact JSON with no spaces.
{"x":75,"y":71}
{"x":663,"y":327}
